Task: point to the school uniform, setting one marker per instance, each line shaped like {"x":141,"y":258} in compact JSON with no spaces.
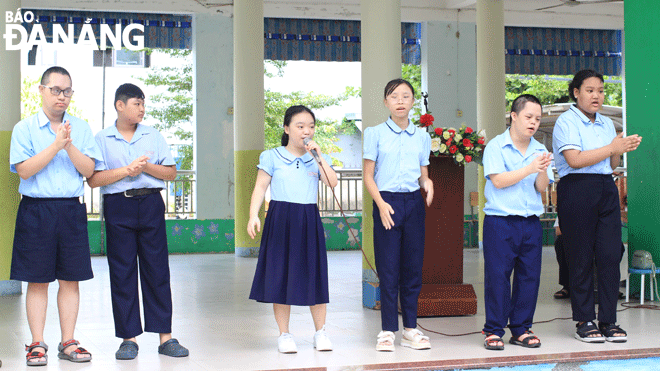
{"x":399,"y":252}
{"x":512,"y":238}
{"x":50,"y":239}
{"x":589,"y":215}
{"x":292,"y":268}
{"x":135,"y":228}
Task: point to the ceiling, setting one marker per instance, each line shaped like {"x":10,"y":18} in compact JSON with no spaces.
{"x":588,"y":14}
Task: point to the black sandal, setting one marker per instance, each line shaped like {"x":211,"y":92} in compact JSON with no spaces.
{"x":610,"y":330}
{"x":526,"y":342}
{"x":585,"y":330}
{"x":491,"y":340}
{"x":562,"y":294}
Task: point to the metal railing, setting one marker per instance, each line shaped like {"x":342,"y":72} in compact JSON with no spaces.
{"x":348,"y":192}
{"x":178,"y":196}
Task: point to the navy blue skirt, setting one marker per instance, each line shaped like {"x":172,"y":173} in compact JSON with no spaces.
{"x":293,"y":265}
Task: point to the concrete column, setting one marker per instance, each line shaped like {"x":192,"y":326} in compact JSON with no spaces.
{"x":214,"y":98}
{"x":491,"y":107}
{"x":10,"y":103}
{"x":449,"y":75}
{"x":248,"y":114}
{"x":381,"y":62}
{"x":642,"y":93}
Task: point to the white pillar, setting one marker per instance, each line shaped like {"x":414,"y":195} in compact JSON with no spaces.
{"x":214,"y":98}
{"x":248,"y":113}
{"x":449,"y":75}
{"x":491,"y":107}
{"x":10,"y":103}
{"x":381,"y":62}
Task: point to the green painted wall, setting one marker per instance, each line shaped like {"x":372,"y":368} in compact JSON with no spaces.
{"x":642,"y":52}
{"x":10,"y":200}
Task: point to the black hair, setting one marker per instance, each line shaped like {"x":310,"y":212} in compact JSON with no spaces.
{"x":45,"y":78}
{"x":127,"y":91}
{"x":393,"y":84}
{"x":288,"y":115}
{"x":520,"y":102}
{"x":579,"y":78}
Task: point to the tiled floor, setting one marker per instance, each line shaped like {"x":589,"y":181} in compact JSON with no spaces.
{"x":226,"y":331}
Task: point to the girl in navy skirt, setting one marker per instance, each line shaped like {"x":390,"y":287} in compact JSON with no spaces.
{"x":292,"y":268}
{"x":396,"y":155}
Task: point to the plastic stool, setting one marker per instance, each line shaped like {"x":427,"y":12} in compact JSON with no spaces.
{"x":641,"y":272}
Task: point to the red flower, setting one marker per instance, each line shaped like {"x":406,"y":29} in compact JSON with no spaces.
{"x":467,"y":143}
{"x":448,"y":143}
{"x":453,"y":149}
{"x":438,"y":131}
{"x":452,"y":132}
{"x":468,"y":158}
{"x":468,"y":130}
{"x":426,"y":120}
{"x":481,"y":140}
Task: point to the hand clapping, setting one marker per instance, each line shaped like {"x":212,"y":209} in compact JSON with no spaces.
{"x":622,"y":145}
{"x":136,"y":167}
{"x":541,"y":163}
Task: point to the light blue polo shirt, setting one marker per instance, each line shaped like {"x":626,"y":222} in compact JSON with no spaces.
{"x":293,"y":179}
{"x":59,"y":178}
{"x":117,"y":152}
{"x":573,"y":130}
{"x":520,"y":199}
{"x":399,"y":155}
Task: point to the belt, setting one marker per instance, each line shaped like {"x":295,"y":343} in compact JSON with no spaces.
{"x":140,"y":192}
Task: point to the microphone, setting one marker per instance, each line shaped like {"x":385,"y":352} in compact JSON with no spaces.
{"x":314,"y":153}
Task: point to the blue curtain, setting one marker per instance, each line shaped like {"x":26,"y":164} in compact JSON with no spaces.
{"x":562,"y":51}
{"x":160,"y":30}
{"x":328,"y":40}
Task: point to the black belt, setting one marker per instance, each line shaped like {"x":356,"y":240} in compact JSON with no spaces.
{"x":139,"y":192}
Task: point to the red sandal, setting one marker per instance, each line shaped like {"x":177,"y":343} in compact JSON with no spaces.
{"x":36,"y":355}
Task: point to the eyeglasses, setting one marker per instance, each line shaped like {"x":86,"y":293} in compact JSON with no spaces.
{"x":68,"y":92}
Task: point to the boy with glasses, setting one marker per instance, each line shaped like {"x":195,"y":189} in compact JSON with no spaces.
{"x":51,"y":152}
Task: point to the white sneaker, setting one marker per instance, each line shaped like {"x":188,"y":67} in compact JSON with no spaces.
{"x":285,"y":343}
{"x":321,"y":340}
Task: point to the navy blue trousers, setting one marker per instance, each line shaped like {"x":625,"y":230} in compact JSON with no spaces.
{"x":590,"y":221}
{"x":135,"y":227}
{"x":511,"y":244}
{"x":399,"y":254}
{"x":562,"y":260}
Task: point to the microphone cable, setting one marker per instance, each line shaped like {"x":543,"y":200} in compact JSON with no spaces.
{"x":626,"y":305}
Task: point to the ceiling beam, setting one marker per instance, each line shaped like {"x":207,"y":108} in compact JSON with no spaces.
{"x":460,"y":4}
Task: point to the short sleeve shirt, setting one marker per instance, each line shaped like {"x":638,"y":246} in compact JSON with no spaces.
{"x":117,"y":152}
{"x":521,"y":199}
{"x":398,"y":154}
{"x":573,"y":130}
{"x":59,"y":178}
{"x":293,"y":179}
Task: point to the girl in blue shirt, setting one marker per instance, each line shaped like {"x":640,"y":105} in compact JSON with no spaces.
{"x":292,"y":268}
{"x":396,"y":155}
{"x":587,"y":149}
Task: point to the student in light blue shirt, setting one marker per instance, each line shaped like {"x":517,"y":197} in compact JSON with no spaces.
{"x":517,"y":169}
{"x":136,"y":161}
{"x":293,"y":267}
{"x":396,"y":154}
{"x":51,"y":152}
{"x":587,"y":150}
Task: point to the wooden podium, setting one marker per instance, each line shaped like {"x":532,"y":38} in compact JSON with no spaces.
{"x":443,"y":291}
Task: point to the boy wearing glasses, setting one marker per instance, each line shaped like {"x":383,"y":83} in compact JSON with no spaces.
{"x":136,"y":161}
{"x":51,"y":152}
